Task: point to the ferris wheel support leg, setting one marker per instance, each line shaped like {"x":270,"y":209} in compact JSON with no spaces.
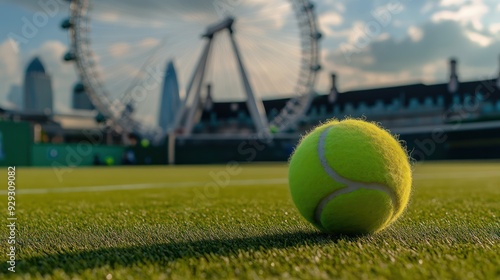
{"x":256,"y":107}
{"x":171,"y":148}
{"x":194,"y":112}
{"x":187,"y":106}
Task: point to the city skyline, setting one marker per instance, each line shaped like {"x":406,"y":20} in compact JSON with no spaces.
{"x":170,"y":100}
{"x":38,"y":94}
{"x":407,"y":43}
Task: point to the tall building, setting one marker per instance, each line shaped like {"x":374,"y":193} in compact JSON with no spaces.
{"x":81,"y":101}
{"x":170,"y":99}
{"x":37,"y":89}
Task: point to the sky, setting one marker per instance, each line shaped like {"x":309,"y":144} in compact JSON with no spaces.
{"x":366,"y":43}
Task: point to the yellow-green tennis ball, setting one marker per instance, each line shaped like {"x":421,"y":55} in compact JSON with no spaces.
{"x":145,"y":143}
{"x":350,"y":177}
{"x":274,"y":129}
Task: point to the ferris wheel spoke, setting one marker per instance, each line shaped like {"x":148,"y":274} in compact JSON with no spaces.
{"x":118,"y":42}
{"x":269,"y":59}
{"x":269,"y":6}
{"x":274,"y":55}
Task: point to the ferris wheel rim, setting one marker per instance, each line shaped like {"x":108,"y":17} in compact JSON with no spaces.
{"x":295,"y":107}
{"x":80,"y":48}
{"x":298,"y":104}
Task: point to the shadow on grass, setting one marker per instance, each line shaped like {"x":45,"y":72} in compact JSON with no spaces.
{"x":74,"y":262}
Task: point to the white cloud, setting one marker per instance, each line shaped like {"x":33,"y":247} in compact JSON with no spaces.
{"x":432,"y":70}
{"x":360,"y":35}
{"x":277,"y":15}
{"x":471,"y":13}
{"x":119,"y":49}
{"x":398,"y":23}
{"x":200,"y":17}
{"x":335,"y":5}
{"x":447,"y":3}
{"x":63,"y":74}
{"x":429,"y":6}
{"x":10,"y":70}
{"x":339,"y":6}
{"x":415,"y":33}
{"x":149,"y":42}
{"x":327,"y":20}
{"x":384,"y":36}
{"x":479,"y":39}
{"x":107,"y":16}
{"x":9,"y":61}
{"x":349,"y":78}
{"x":356,"y":32}
{"x":113,"y":17}
{"x":51,"y":52}
{"x":494,"y":28}
{"x":424,"y":59}
{"x":352,"y":77}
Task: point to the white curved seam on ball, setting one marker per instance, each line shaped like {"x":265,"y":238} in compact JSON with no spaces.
{"x":351,"y":185}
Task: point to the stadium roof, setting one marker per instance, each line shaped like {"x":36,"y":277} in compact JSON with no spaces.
{"x":369,"y":97}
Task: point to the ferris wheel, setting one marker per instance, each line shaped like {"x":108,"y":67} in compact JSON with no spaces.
{"x":121,"y":49}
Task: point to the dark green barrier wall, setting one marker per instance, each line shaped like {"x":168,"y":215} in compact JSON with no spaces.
{"x":15,"y":143}
{"x":222,"y":151}
{"x":455,"y":145}
{"x":73,"y":154}
{"x":151,"y":154}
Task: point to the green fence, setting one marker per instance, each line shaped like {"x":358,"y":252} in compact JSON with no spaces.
{"x":154,"y":155}
{"x":74,"y":154}
{"x":223,"y":151}
{"x":15,"y":143}
{"x":17,"y":149}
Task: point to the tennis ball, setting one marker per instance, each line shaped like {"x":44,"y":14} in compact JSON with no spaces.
{"x":109,"y":160}
{"x":350,"y":177}
{"x":274,"y":129}
{"x":145,"y":143}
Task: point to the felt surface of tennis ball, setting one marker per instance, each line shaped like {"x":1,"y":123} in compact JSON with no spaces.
{"x":350,"y":177}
